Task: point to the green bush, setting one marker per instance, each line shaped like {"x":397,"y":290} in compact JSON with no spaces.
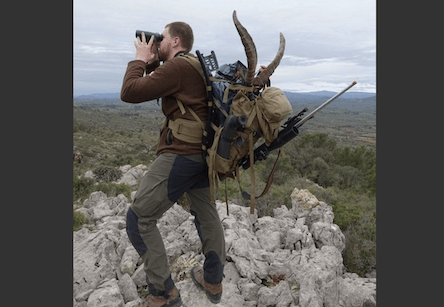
{"x":78,"y":126}
{"x":360,"y":253}
{"x":318,"y":158}
{"x":78,"y":220}
{"x":123,"y":159}
{"x":107,"y":173}
{"x":284,"y":169}
{"x":277,"y":196}
{"x":355,"y":214}
{"x":371,"y":180}
{"x":347,"y":176}
{"x":358,"y":168}
{"x":82,"y":187}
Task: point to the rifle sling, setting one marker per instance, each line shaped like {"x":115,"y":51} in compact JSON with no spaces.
{"x":270,"y":179}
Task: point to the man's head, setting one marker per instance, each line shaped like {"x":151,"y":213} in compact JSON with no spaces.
{"x":177,"y":37}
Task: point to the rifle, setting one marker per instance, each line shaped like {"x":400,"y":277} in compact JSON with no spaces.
{"x":289,"y":131}
{"x":208,"y":64}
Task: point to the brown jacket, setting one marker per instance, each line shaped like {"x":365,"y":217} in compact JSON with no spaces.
{"x":176,"y":78}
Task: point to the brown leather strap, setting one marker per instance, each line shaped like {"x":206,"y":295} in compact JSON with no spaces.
{"x":253,"y":177}
{"x":270,"y":179}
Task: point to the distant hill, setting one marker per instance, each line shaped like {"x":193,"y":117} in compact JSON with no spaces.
{"x":350,"y":101}
{"x":290,"y":95}
{"x":99,"y":96}
{"x":328,"y":94}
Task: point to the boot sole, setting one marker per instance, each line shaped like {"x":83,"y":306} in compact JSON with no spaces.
{"x":214,"y":298}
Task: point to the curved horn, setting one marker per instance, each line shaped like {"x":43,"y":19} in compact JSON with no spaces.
{"x":264,"y":75}
{"x":250,"y":49}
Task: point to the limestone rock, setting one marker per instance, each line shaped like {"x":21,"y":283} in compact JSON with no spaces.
{"x":135,"y":303}
{"x":125,"y":168}
{"x":193,"y":296}
{"x":279,"y":296}
{"x":106,"y":295}
{"x":328,"y":234}
{"x":268,"y":233}
{"x":101,"y":207}
{"x":355,"y":291}
{"x":231,"y":275}
{"x":139,"y":277}
{"x":94,"y":198}
{"x":95,"y":258}
{"x":131,"y":176}
{"x":321,"y":213}
{"x":89,"y":174}
{"x":129,"y":261}
{"x":291,"y":259}
{"x":128,"y":288}
{"x":249,"y":290}
{"x":302,"y":200}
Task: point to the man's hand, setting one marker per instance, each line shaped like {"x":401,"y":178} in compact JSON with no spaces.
{"x":146,"y":52}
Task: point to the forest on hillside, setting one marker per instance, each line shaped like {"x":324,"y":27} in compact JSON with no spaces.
{"x":333,"y":163}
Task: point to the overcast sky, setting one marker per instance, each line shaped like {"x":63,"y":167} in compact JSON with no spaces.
{"x":329,"y":43}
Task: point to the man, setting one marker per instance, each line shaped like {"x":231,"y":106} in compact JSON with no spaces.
{"x":179,"y":167}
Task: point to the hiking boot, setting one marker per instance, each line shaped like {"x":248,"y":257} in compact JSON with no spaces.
{"x":173,"y":300}
{"x":213,"y":291}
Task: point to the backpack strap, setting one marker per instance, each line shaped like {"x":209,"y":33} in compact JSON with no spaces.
{"x":195,"y":63}
{"x":183,"y":111}
{"x":188,"y":130}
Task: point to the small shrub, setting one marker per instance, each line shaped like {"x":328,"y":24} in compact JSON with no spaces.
{"x":284,"y":169}
{"x":82,"y":187}
{"x":78,"y":220}
{"x":107,"y":173}
{"x":123,"y":159}
{"x":360,"y":240}
{"x":371,"y":179}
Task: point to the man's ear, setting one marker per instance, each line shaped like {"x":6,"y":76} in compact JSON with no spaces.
{"x":176,"y":41}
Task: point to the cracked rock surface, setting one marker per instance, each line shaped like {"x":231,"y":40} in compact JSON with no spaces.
{"x":290,"y":259}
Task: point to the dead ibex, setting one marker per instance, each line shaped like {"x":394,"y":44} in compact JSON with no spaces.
{"x":250,"y":51}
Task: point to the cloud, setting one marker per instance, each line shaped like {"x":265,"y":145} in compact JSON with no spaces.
{"x":304,"y":74}
{"x":102,"y":50}
{"x":326,"y":41}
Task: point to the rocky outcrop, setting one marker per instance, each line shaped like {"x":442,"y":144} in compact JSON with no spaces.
{"x":290,"y":259}
{"x":130,"y":175}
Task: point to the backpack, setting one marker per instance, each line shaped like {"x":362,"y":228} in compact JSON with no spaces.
{"x":240,"y":112}
{"x":249,"y":120}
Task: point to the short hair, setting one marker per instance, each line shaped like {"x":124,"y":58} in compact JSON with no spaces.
{"x":184,"y":32}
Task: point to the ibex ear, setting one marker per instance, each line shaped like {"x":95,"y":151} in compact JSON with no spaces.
{"x":264,"y":75}
{"x":250,"y":49}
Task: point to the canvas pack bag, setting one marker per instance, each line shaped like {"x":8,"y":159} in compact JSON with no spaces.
{"x":241,"y":110}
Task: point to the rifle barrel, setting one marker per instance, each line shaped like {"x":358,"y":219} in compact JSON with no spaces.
{"x":302,"y":121}
{"x":288,"y":132}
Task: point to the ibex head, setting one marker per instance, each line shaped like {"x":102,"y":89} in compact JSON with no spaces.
{"x":250,"y":51}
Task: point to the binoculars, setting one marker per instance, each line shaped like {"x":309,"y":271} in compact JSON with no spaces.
{"x":157,"y":36}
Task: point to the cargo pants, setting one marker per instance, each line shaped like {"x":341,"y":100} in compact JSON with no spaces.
{"x":168,"y":178}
